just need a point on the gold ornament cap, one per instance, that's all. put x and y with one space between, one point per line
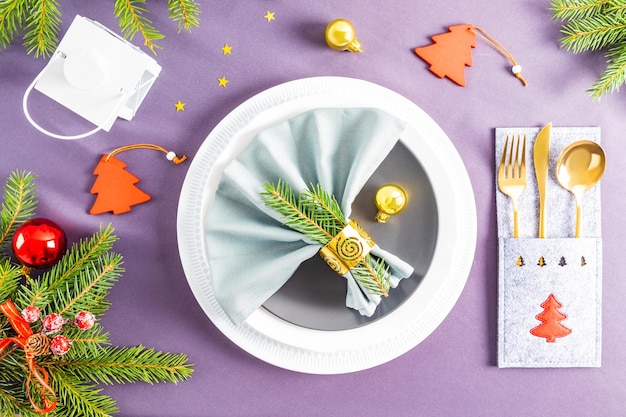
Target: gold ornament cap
390 200
340 35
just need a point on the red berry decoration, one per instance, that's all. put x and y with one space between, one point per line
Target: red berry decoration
53 322
84 320
31 314
39 243
60 345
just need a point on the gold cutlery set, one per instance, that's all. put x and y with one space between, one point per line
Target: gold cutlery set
578 168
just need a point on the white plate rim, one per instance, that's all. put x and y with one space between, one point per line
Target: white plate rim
289 346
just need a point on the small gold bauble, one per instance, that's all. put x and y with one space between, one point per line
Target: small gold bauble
340 35
390 199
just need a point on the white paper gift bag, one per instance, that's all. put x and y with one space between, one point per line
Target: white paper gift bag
96 74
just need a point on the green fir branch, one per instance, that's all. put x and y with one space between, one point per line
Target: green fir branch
10 277
42 28
132 20
328 212
577 9
80 398
79 261
86 343
18 206
614 76
593 33
317 215
593 25
127 364
296 215
379 270
12 16
90 288
185 13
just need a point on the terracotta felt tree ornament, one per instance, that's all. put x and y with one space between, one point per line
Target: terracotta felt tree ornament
115 187
451 52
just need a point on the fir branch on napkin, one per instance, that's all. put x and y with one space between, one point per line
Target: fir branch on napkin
317 215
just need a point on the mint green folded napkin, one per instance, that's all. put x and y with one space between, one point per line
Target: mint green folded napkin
251 254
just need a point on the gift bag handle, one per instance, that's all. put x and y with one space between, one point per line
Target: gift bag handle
113 115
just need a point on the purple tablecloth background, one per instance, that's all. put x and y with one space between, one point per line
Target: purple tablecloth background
451 373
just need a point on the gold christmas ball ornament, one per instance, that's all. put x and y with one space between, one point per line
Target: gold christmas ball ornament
340 35
390 200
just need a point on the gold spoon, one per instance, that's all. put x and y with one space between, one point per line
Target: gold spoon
579 167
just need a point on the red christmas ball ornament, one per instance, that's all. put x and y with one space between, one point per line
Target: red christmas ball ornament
39 243
60 345
53 322
84 320
31 314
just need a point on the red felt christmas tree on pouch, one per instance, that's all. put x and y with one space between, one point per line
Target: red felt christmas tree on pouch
116 187
550 327
452 51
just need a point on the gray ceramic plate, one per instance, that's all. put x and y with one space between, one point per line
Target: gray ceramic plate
314 297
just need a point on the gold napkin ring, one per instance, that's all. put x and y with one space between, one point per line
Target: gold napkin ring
347 249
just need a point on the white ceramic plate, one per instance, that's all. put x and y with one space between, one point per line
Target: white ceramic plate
302 349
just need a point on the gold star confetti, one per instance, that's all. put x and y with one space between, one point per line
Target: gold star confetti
269 16
226 49
180 106
222 81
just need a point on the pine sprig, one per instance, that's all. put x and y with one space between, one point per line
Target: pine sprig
185 13
127 364
12 15
18 205
42 28
81 280
593 33
132 20
577 9
10 277
79 261
614 76
40 21
296 214
78 398
317 215
591 25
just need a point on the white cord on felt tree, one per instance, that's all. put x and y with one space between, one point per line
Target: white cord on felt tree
57 54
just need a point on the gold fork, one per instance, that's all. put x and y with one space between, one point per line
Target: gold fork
512 173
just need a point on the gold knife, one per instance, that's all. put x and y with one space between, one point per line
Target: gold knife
541 158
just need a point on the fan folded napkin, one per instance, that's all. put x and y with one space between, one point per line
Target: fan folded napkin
251 254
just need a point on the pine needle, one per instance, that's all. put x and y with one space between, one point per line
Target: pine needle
132 20
185 13
592 25
127 364
19 204
42 28
80 398
12 17
317 215
614 76
577 9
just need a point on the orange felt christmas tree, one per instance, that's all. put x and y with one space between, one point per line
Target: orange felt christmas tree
115 187
450 53
550 318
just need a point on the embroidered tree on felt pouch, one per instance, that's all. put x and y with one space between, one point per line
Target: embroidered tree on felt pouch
550 327
115 187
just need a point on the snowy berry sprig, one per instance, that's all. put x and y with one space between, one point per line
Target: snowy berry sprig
53 323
